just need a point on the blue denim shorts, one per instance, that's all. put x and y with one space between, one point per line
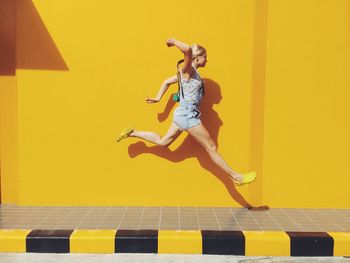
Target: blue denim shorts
186 117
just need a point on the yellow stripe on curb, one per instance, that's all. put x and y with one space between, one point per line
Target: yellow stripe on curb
266 243
92 241
179 241
13 240
341 243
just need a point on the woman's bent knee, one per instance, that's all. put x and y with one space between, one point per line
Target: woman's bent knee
164 143
211 148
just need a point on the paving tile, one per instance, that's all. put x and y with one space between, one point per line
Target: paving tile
51 222
243 216
172 227
224 216
248 221
115 212
149 212
189 228
206 218
27 226
169 223
148 228
187 209
262 217
269 225
169 214
150 218
231 229
189 223
205 211
207 221
164 222
271 228
175 217
113 216
283 222
92 217
206 214
150 222
8 226
209 228
64 228
251 228
130 214
188 216
78 214
170 209
229 225
108 221
107 227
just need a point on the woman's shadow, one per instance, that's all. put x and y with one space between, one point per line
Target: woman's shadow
190 148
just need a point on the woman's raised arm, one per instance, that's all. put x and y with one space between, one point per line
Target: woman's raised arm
184 48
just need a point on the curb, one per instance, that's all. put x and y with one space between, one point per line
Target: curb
244 243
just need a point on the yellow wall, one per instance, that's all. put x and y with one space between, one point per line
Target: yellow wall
104 60
8 105
275 100
8 140
307 143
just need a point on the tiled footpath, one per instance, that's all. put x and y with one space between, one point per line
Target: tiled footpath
180 230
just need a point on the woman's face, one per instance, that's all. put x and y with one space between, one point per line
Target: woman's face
202 60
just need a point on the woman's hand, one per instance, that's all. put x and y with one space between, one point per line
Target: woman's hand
152 100
170 42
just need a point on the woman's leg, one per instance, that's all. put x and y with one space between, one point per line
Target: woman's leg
173 132
201 134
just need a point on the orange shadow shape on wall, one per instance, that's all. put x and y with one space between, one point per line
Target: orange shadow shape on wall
7 37
35 47
190 148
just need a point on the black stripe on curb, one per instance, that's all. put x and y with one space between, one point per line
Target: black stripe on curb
223 242
48 241
213 242
136 241
310 244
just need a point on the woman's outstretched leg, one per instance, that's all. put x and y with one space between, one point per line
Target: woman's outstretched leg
147 136
155 138
201 134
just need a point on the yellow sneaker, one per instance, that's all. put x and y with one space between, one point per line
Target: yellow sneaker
125 133
247 179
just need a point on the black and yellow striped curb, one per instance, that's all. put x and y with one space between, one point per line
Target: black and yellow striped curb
248 243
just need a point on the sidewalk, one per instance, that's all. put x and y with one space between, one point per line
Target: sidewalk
193 230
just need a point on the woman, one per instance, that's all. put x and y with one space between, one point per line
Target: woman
186 115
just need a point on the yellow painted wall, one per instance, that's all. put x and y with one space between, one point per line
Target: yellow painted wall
8 140
277 88
8 105
103 60
307 142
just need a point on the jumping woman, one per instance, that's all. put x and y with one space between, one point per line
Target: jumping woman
186 115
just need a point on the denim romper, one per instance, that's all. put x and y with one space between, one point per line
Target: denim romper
187 114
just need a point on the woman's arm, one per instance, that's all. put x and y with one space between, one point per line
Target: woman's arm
165 85
184 48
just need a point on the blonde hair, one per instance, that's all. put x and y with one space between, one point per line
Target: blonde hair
197 50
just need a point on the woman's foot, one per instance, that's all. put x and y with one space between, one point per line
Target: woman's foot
125 133
244 179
